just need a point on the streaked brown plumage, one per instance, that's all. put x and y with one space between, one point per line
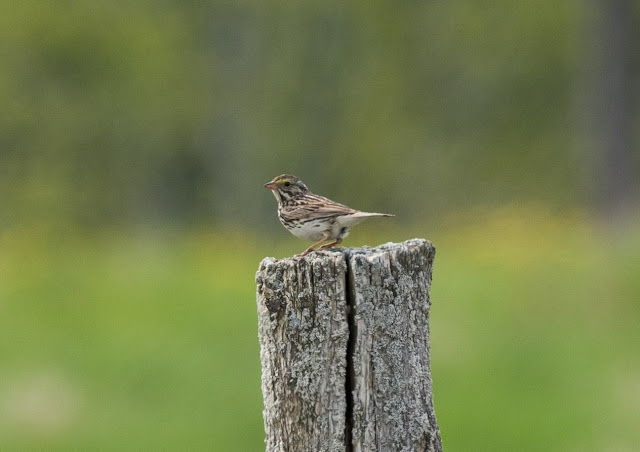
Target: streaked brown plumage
313 217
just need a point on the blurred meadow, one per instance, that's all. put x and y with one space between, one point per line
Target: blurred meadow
135 138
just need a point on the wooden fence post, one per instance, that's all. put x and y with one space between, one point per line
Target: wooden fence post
344 346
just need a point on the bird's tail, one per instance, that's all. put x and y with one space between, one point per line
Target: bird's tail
355 218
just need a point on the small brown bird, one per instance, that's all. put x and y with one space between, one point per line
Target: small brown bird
313 217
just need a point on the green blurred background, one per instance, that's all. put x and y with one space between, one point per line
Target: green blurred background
135 138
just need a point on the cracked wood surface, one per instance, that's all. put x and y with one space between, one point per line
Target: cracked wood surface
344 346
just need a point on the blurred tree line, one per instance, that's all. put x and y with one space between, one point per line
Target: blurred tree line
120 112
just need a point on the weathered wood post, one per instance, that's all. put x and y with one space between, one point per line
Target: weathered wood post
344 340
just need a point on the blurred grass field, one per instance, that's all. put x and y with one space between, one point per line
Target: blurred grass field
148 340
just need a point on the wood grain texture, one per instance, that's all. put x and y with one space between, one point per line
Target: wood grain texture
391 377
344 338
303 331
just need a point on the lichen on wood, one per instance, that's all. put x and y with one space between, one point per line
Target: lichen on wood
344 337
303 332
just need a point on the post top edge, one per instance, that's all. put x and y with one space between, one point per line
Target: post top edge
342 253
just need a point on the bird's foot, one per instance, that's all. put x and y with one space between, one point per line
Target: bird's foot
331 245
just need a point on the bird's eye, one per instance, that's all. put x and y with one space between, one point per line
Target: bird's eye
287 184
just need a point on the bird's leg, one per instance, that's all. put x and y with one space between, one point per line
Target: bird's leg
308 250
329 245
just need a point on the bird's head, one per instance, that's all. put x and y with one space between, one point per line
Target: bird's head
286 187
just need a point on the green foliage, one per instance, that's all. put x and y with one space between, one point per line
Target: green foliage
144 111
98 96
114 343
532 329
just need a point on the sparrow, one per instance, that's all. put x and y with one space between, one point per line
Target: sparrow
313 217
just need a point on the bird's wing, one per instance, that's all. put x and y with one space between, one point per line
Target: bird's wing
314 206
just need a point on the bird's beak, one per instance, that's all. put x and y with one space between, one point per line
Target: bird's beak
270 185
